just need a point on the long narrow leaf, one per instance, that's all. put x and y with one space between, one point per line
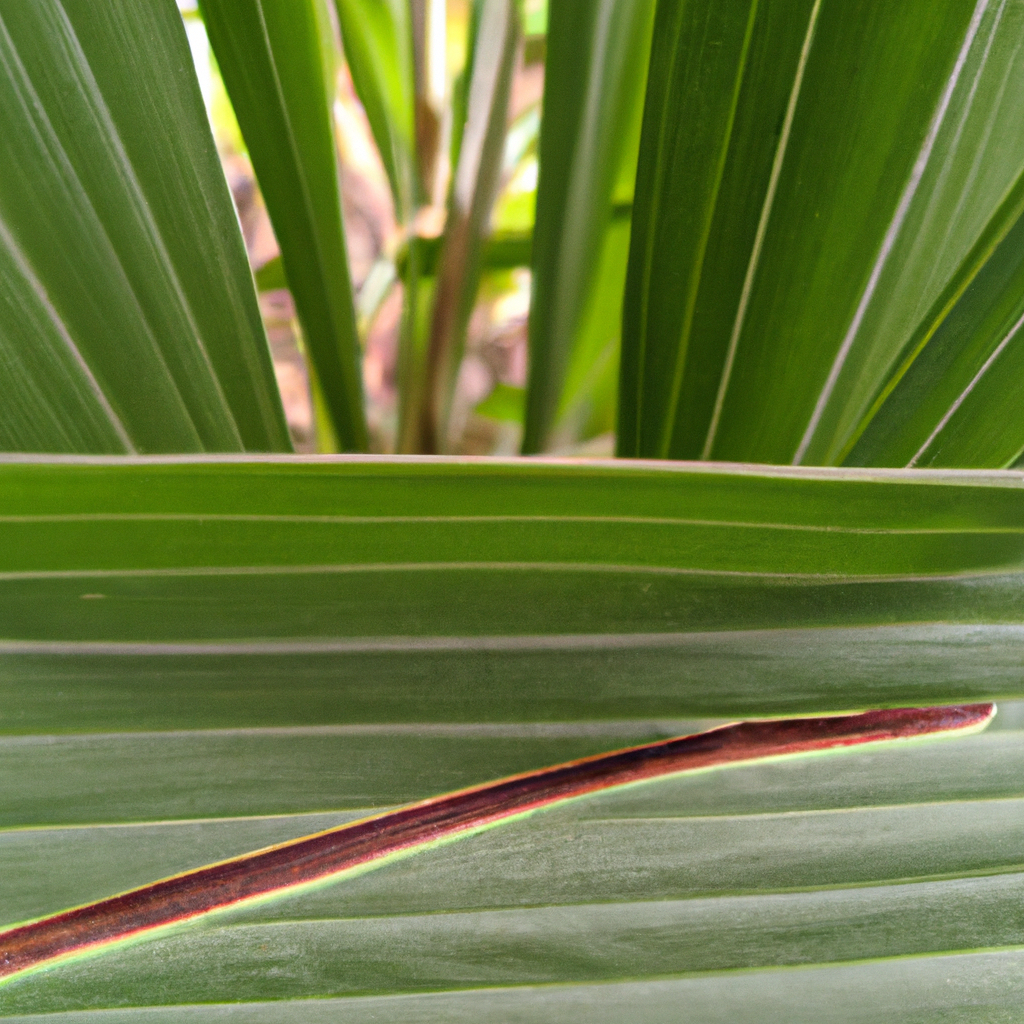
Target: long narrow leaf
592 88
275 59
952 402
473 192
716 79
965 192
128 319
313 588
379 50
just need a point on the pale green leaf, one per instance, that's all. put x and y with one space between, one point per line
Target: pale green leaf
593 91
270 276
379 50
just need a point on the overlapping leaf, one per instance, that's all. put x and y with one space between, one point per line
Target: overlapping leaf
128 320
465 603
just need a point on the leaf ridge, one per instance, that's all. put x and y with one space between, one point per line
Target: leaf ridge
892 232
48 140
762 228
961 398
977 163
23 264
705 236
141 208
657 192
307 200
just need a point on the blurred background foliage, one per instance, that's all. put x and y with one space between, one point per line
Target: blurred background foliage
488 404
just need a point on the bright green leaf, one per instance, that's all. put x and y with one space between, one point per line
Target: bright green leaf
504 403
270 276
965 192
954 401
378 47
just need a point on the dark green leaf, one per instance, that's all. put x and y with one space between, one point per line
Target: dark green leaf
773 313
313 590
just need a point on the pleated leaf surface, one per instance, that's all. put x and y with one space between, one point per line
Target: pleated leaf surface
825 261
201 658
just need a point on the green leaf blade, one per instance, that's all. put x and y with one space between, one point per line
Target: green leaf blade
963 197
874 188
951 402
664 890
583 144
203 657
379 51
691 50
274 59
314 586
112 233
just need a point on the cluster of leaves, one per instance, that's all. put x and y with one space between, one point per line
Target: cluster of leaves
810 217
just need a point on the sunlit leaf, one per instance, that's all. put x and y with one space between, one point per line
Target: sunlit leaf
378 47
